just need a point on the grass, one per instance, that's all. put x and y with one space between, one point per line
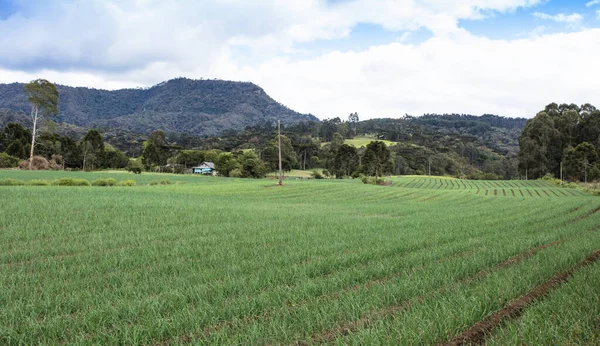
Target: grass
230 261
363 141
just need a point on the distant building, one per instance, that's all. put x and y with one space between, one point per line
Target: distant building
207 168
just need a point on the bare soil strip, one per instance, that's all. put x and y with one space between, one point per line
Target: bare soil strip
364 322
476 335
597 209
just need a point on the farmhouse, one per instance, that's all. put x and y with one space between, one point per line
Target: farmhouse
205 168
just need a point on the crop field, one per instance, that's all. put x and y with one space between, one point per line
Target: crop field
231 261
510 188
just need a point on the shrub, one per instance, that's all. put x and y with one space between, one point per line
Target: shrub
71 182
128 182
11 182
104 182
316 175
326 173
372 180
236 173
160 182
135 166
37 182
7 161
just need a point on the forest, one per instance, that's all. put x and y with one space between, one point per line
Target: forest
561 141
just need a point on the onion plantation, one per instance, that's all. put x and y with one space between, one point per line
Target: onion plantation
206 260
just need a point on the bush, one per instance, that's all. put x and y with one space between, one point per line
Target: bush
236 173
160 182
36 182
128 182
11 182
372 180
135 166
7 161
104 182
316 175
326 173
71 182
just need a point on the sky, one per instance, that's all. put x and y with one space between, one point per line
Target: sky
380 58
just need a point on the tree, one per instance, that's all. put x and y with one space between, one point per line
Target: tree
270 155
579 160
353 121
92 148
156 150
43 97
376 159
16 140
345 161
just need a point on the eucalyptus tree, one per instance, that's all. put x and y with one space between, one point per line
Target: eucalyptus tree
43 97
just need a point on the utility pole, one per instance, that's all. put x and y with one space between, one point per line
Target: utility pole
429 160
561 171
279 137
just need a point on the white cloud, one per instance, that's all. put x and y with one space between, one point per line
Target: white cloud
140 43
571 20
592 3
598 14
451 74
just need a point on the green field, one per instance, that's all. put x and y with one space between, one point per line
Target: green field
363 141
234 261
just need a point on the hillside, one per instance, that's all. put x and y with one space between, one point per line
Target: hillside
196 107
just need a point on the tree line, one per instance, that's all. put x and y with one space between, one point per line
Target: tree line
562 139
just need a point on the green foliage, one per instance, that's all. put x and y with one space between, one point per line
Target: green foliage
71 182
316 175
104 182
236 173
135 166
345 161
372 180
128 182
15 140
161 182
7 161
43 96
39 182
560 133
12 182
156 150
377 160
289 158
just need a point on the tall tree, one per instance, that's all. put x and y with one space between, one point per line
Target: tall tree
376 159
353 121
156 149
43 97
345 161
15 140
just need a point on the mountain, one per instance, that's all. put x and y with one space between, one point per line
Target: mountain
195 107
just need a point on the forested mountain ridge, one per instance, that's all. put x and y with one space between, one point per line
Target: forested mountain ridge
196 107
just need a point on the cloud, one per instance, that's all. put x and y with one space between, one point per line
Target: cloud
115 44
465 73
120 36
598 14
572 20
592 3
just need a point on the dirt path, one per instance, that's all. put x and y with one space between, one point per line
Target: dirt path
478 332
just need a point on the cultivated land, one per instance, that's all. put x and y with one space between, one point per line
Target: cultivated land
226 261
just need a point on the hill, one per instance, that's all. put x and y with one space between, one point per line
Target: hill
196 107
